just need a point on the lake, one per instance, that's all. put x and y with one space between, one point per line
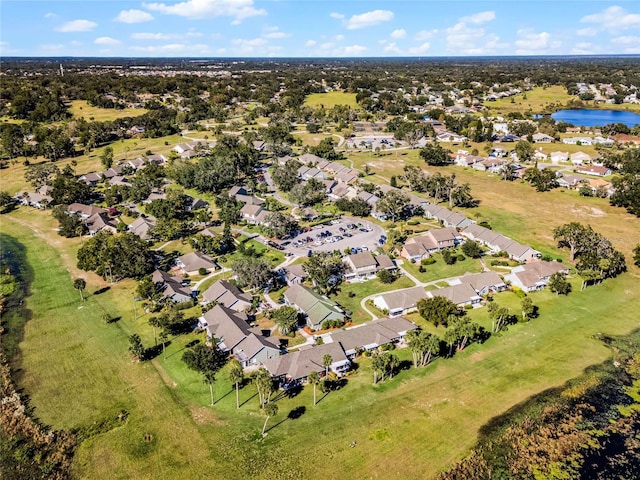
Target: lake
596 118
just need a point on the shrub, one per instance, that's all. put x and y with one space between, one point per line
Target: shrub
461 257
468 306
421 269
413 223
202 271
518 292
428 261
388 346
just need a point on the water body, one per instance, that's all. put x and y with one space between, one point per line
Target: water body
596 118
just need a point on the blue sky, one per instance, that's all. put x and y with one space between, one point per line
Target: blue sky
316 28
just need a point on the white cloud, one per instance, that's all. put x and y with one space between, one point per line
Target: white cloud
238 9
49 47
133 16
587 32
111 42
583 48
369 19
173 49
420 49
77 26
628 44
467 37
478 18
350 51
339 38
50 15
424 35
392 48
244 46
152 36
614 18
531 43
337 16
398 34
310 43
276 34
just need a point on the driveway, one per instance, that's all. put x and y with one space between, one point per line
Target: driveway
359 239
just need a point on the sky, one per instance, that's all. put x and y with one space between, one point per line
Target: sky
317 28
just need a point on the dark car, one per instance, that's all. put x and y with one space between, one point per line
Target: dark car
309 253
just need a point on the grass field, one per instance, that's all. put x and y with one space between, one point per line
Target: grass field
331 99
81 109
442 270
77 371
538 100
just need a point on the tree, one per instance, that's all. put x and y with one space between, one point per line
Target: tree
286 176
355 206
326 150
437 310
80 284
279 225
575 236
67 190
435 155
136 349
325 270
385 276
500 316
423 346
472 249
559 285
264 384
107 157
286 318
41 174
415 178
542 180
236 376
636 255
314 379
5 199
525 151
327 360
393 204
253 272
121 256
209 377
202 358
528 308
269 410
155 322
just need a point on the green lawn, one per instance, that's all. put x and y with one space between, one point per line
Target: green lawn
81 109
441 270
331 99
538 100
76 371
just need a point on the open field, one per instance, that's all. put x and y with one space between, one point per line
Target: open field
81 109
538 100
331 99
442 270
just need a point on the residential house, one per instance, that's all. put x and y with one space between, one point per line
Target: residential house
580 158
342 190
400 302
594 170
347 175
84 211
142 227
101 222
227 294
365 265
33 199
461 294
310 159
119 180
237 190
534 276
91 179
371 335
586 141
542 138
483 283
294 274
497 242
296 366
570 181
191 263
233 334
170 287
435 240
195 203
317 308
558 157
600 187
334 167
254 214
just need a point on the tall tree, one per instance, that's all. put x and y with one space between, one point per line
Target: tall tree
314 379
324 270
136 349
264 384
437 310
393 204
236 376
209 377
80 284
286 318
558 284
327 360
528 308
269 410
435 155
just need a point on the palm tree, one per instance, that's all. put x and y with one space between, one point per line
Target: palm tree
236 376
327 360
210 379
270 410
314 379
163 338
80 284
154 322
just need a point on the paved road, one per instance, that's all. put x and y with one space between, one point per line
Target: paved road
358 239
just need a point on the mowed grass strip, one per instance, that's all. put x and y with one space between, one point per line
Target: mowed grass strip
331 99
81 109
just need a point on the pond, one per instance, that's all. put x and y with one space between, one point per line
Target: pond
596 118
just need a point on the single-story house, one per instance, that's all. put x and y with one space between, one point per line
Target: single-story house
233 334
594 170
317 308
535 275
365 265
227 294
254 214
570 181
401 302
542 138
294 274
296 366
371 335
557 157
142 227
579 158
483 283
99 222
191 263
84 211
33 199
171 288
461 294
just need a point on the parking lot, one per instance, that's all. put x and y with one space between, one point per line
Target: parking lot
339 235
